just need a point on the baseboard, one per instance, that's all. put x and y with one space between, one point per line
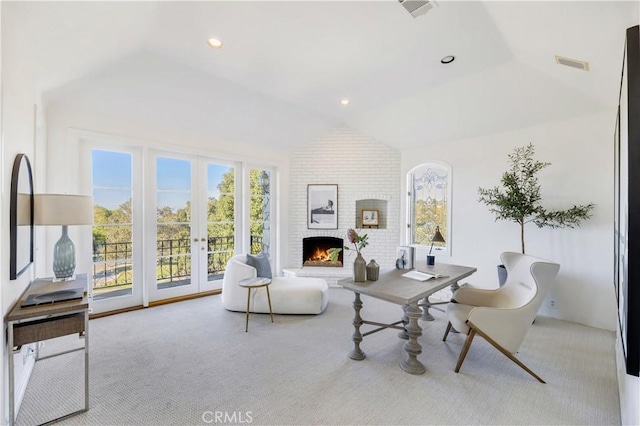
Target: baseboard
181 298
117 311
628 388
26 358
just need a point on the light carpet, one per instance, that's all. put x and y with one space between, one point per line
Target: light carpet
191 363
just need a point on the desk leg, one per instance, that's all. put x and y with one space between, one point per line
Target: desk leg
412 347
10 359
426 316
357 353
405 321
426 304
86 360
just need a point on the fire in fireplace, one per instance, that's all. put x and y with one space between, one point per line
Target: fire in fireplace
322 251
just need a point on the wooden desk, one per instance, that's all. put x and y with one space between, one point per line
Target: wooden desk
47 321
394 288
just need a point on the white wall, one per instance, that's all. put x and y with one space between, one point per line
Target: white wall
19 97
66 115
363 168
581 153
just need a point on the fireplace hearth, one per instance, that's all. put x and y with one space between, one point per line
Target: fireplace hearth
322 251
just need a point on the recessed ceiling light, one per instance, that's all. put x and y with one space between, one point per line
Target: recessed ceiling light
345 102
215 43
447 59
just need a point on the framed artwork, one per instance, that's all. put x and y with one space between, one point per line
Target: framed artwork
322 206
21 217
369 217
626 252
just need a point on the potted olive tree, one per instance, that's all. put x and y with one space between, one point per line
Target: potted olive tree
518 199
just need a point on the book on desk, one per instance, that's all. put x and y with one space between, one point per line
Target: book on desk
422 276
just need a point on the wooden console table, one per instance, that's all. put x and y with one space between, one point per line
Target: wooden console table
49 320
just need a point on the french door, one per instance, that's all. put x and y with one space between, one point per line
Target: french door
191 229
165 224
115 181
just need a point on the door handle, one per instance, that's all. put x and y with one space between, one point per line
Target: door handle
204 240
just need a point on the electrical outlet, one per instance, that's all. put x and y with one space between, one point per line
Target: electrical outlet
27 353
552 304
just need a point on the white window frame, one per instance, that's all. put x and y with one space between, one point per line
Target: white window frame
247 167
440 251
87 145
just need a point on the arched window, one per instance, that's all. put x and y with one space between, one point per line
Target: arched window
429 187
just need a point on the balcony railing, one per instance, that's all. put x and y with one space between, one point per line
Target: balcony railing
112 266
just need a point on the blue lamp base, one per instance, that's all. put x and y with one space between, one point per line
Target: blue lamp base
64 256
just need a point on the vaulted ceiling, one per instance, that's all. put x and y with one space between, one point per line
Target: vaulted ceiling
287 65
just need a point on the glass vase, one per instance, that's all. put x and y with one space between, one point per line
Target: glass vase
64 256
359 269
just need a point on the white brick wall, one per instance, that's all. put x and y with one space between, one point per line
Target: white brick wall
363 168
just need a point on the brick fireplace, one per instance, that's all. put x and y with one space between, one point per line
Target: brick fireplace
364 169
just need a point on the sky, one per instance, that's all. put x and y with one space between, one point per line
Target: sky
112 179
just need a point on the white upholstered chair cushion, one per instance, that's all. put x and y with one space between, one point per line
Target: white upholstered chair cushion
503 316
289 295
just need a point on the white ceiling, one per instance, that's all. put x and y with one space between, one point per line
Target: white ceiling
286 65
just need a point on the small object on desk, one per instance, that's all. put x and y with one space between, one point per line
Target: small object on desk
373 271
53 297
44 291
422 276
437 238
405 258
359 269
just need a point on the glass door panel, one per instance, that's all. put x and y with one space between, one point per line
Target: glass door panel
220 222
116 271
113 225
260 210
173 223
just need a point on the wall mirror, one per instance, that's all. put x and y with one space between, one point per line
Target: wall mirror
21 217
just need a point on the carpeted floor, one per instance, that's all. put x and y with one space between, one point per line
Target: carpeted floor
191 363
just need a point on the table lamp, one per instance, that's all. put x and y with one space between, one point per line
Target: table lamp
64 210
437 238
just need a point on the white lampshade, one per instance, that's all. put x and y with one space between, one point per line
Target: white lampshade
23 212
63 209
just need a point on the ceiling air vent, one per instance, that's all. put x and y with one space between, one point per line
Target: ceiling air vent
573 63
417 7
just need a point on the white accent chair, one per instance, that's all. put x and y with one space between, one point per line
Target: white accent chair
289 295
503 316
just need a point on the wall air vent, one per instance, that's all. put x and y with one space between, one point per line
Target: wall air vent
418 7
573 63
